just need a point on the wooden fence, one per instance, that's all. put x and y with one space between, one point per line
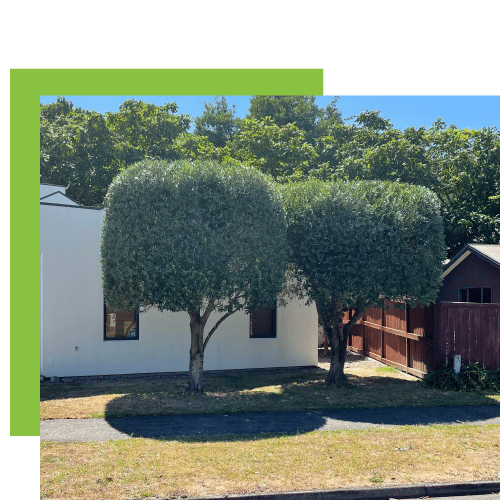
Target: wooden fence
398 337
471 330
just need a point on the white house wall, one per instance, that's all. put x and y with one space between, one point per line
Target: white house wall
73 316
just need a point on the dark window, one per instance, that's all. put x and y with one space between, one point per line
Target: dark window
263 323
475 295
120 325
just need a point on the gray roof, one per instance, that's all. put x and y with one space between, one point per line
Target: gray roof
490 253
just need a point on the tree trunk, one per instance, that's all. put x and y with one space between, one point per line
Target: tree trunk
338 343
325 342
331 316
195 377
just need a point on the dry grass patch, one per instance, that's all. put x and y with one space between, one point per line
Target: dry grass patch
139 468
370 387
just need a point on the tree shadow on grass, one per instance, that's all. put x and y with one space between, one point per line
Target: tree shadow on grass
216 414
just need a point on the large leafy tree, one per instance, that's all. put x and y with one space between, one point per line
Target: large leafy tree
218 122
146 130
466 165
286 109
280 151
355 245
193 237
288 137
77 150
461 166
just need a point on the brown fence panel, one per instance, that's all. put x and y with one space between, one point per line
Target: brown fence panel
472 331
421 320
491 343
420 354
374 315
395 348
396 337
356 337
373 341
395 318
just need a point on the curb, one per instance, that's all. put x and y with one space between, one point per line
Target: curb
418 490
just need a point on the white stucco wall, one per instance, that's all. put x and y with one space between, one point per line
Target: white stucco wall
73 316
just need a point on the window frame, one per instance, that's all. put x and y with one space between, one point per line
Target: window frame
136 318
467 290
274 319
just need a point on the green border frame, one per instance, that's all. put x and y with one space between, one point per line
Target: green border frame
26 87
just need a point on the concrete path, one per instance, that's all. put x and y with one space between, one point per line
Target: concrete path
289 422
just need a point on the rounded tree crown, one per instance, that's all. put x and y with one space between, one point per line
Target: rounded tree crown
365 241
177 234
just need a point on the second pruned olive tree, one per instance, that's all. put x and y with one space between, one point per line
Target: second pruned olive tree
194 237
357 244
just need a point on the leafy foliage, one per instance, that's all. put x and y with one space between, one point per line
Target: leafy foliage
280 151
218 122
355 245
363 241
466 164
77 150
285 110
176 235
288 137
146 130
471 378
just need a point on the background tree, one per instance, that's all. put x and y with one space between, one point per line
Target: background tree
280 151
461 166
146 130
466 165
194 237
355 245
77 150
218 122
197 147
289 137
284 110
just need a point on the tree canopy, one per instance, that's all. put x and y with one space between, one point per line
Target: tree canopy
288 137
218 122
355 245
194 237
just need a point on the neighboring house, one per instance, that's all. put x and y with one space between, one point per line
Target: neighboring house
464 320
80 336
472 275
467 318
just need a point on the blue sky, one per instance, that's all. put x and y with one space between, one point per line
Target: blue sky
403 111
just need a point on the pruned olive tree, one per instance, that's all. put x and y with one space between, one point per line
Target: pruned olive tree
194 237
355 245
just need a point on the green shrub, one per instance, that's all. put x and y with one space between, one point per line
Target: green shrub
472 378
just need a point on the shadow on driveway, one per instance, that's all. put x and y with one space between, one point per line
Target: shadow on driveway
298 422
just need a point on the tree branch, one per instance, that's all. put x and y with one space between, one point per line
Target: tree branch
358 312
208 310
211 332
